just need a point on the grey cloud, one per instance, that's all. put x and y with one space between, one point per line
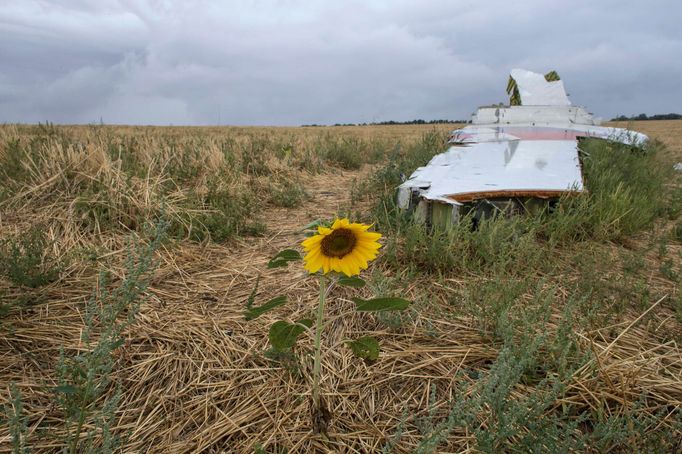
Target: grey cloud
290 62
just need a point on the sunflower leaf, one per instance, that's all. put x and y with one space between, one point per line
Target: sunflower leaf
307 322
380 304
283 335
283 258
311 229
255 312
355 282
365 347
313 225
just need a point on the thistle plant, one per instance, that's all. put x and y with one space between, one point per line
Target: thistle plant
336 252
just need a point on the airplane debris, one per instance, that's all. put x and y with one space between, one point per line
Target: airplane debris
511 157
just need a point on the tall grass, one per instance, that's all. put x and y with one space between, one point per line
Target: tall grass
212 184
626 192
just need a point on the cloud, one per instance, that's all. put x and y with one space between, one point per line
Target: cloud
291 62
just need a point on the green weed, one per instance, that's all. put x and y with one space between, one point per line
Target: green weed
27 259
677 231
13 415
219 214
85 377
346 153
287 193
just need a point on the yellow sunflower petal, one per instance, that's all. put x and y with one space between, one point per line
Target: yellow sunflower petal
310 242
340 223
341 267
312 264
371 236
354 267
357 261
368 248
312 267
326 266
361 248
359 228
313 256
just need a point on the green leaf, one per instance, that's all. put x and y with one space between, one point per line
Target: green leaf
365 347
254 312
283 258
351 281
313 225
117 344
308 323
65 389
380 304
252 297
283 335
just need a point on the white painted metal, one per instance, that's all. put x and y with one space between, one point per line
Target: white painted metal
535 165
536 91
532 115
556 131
531 148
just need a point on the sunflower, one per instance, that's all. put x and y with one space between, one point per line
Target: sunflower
345 247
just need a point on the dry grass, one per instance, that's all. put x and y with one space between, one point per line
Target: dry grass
193 372
667 131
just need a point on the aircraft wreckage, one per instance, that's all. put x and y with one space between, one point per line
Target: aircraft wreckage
510 158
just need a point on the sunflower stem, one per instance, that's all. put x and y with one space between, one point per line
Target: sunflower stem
318 344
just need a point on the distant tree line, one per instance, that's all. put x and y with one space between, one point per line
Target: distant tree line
392 122
669 116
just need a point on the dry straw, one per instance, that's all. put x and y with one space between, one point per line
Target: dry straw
193 373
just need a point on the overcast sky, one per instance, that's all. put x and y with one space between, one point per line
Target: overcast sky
266 62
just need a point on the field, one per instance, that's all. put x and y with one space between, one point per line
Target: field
129 255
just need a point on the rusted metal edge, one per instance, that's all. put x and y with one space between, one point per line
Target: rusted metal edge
541 194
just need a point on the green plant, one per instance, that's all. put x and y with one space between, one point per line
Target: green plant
27 259
336 253
287 193
346 153
16 420
13 166
677 231
667 269
219 214
502 421
397 435
627 191
85 377
677 306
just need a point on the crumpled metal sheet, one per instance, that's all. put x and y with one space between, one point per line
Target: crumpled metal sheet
519 166
536 91
515 151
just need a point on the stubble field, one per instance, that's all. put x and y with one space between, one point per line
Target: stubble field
129 254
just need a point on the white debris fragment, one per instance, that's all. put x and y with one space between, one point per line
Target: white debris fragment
536 91
497 169
526 151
